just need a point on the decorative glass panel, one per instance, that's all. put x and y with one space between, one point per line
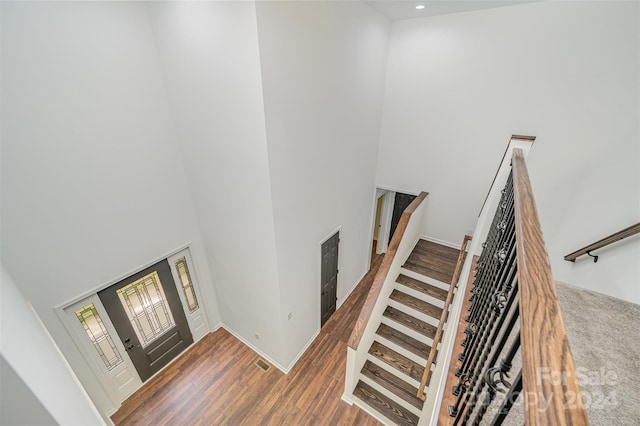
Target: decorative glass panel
147 308
99 335
187 285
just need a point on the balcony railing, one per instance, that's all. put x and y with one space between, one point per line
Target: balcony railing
515 344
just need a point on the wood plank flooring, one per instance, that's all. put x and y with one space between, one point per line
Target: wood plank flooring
216 382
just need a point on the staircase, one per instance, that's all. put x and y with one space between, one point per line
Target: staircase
388 382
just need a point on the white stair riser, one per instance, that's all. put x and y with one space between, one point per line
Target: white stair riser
419 295
424 279
409 332
372 412
402 351
416 314
393 371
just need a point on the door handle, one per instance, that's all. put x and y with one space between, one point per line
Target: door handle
127 340
130 347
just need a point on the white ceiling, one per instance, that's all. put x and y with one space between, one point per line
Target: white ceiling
405 9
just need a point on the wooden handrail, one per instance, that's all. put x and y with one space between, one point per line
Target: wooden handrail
443 319
544 344
620 235
381 276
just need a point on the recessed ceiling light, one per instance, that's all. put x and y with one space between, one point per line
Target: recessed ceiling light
420 7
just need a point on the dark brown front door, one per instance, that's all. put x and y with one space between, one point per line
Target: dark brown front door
146 311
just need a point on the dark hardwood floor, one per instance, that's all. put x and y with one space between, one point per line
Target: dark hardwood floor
217 383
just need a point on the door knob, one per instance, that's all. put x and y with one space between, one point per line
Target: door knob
130 347
127 340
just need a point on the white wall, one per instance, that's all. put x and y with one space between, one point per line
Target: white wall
44 390
18 405
93 185
209 53
567 72
323 66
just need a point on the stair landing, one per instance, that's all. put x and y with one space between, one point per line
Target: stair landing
433 260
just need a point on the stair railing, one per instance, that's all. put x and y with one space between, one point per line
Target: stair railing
443 319
620 235
513 319
404 239
380 277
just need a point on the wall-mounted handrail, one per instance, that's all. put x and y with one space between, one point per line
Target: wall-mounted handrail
443 319
378 281
620 235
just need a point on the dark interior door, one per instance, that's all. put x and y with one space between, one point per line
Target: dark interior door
146 311
329 278
401 202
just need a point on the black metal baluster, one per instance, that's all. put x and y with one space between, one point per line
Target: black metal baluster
472 378
493 294
509 400
505 275
490 379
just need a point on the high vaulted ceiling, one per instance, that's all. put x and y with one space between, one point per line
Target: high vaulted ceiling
406 9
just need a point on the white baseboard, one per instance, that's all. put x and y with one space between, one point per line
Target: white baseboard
441 242
302 351
110 413
347 398
346 296
253 348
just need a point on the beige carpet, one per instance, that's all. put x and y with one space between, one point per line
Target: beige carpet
604 335
605 342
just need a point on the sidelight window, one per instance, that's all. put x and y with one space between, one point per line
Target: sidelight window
100 338
187 284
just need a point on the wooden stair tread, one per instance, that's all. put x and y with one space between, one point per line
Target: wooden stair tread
419 267
433 260
397 361
417 304
411 322
392 383
422 287
407 342
384 405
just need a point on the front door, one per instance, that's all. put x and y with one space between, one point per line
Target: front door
146 312
329 278
401 202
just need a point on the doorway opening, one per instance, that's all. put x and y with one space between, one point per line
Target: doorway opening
376 228
388 208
